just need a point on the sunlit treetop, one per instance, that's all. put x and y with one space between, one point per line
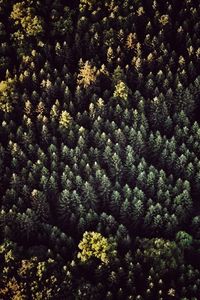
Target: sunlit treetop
94 244
24 16
121 91
87 74
7 97
65 119
87 3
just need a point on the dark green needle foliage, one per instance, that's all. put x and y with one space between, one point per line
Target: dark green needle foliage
99 150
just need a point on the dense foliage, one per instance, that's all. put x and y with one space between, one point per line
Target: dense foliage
100 149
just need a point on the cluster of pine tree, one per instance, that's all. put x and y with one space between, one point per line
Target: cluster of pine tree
100 149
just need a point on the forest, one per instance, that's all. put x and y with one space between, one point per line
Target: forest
99 150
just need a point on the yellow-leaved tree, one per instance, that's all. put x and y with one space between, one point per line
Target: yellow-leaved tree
94 244
24 17
87 74
65 119
121 91
7 94
87 3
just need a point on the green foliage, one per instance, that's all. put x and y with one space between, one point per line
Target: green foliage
164 255
184 239
62 24
103 141
94 244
